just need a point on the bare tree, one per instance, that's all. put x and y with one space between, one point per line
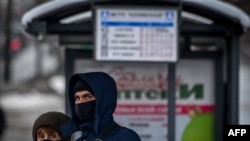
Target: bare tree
7 57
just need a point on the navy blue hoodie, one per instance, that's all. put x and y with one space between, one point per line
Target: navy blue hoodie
105 91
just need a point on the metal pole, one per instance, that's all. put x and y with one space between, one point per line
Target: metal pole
233 78
68 71
219 97
7 55
171 101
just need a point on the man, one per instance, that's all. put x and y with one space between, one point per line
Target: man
47 127
92 99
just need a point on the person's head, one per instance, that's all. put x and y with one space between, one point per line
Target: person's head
82 92
84 101
47 126
98 96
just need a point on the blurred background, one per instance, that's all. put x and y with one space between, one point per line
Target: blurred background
32 78
27 72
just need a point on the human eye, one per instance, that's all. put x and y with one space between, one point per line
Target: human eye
88 97
40 136
54 136
77 98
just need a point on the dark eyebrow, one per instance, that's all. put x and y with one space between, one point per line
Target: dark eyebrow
88 94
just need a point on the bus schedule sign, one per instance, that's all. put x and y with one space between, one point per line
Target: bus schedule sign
128 34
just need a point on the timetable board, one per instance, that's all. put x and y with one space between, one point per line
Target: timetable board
125 34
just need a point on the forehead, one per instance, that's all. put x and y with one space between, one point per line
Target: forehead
83 92
46 129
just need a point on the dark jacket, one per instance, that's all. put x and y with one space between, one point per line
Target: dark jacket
105 91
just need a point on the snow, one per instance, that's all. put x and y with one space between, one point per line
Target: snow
21 110
19 101
58 84
16 101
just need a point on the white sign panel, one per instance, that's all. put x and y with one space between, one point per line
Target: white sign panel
136 34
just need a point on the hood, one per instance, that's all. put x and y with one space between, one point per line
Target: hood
105 91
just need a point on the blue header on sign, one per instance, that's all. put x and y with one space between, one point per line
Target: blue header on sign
140 24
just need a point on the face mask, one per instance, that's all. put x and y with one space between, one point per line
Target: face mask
85 111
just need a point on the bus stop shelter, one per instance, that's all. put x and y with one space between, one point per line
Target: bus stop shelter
207 29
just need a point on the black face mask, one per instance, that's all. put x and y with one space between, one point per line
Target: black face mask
85 111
